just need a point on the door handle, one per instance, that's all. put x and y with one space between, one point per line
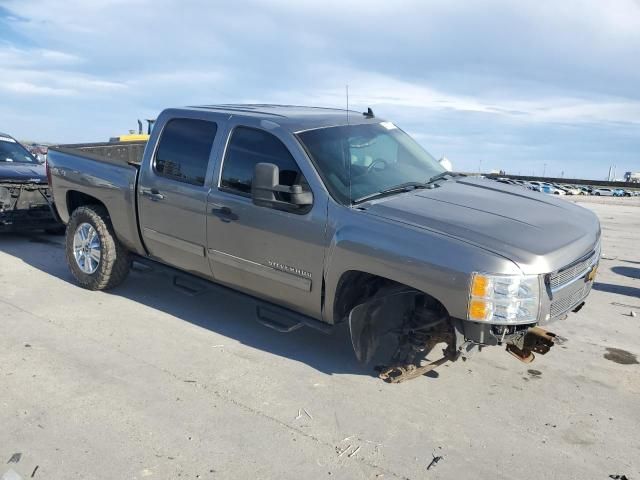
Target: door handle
153 194
225 213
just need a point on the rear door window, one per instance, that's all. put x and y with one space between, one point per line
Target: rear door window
184 149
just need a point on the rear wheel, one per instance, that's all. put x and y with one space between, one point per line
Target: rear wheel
96 258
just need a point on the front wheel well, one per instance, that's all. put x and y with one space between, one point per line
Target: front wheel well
356 287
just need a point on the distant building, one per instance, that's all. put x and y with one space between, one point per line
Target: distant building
632 177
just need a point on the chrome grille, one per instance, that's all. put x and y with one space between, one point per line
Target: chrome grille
573 271
563 305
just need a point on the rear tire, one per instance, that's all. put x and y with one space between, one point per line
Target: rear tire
113 261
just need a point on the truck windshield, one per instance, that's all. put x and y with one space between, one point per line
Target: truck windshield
356 161
12 152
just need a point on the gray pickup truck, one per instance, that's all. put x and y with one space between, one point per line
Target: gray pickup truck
324 216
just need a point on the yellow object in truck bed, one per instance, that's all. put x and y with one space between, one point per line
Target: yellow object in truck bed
133 137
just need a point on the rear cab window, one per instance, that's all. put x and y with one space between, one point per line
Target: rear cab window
184 149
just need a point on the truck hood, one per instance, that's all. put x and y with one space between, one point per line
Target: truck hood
22 173
540 233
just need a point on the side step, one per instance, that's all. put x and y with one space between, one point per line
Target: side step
268 314
184 285
280 321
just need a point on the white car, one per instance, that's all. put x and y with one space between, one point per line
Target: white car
550 189
571 190
602 192
534 185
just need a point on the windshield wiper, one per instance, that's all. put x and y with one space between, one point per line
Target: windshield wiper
403 187
442 175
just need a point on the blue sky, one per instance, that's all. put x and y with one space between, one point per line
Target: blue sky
490 84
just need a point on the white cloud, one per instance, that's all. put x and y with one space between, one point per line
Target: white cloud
12 57
55 82
473 77
28 88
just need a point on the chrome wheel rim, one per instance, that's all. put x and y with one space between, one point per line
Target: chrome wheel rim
87 248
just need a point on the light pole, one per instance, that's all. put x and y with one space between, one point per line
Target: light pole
544 170
480 167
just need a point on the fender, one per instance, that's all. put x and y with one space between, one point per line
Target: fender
430 262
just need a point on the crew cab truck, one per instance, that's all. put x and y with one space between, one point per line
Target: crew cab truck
323 216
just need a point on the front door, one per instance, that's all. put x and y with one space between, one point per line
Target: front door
172 194
273 254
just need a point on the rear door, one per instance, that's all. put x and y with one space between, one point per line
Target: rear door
273 254
172 193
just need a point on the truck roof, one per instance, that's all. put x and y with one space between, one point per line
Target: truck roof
295 118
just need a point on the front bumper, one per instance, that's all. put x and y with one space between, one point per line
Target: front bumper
26 207
564 291
33 219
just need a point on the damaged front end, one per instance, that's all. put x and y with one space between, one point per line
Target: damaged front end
26 206
413 321
416 325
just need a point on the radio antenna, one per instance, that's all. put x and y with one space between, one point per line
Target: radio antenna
347 90
349 152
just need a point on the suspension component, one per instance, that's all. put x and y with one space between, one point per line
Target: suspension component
535 339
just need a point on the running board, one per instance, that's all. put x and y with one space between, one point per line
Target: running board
280 321
268 314
184 285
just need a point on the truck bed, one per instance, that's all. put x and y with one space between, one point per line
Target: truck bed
110 152
106 172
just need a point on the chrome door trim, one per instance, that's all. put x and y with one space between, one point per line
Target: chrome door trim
192 248
265 271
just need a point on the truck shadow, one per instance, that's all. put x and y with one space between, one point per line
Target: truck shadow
631 272
220 312
619 289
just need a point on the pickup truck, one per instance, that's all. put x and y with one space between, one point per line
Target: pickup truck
323 216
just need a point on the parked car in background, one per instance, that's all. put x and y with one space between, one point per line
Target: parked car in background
535 185
507 181
585 190
552 190
603 192
24 192
571 190
321 219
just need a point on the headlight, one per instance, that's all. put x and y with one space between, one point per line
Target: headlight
504 299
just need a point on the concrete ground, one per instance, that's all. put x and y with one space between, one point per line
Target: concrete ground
145 382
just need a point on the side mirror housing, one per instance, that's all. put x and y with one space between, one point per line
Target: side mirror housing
266 190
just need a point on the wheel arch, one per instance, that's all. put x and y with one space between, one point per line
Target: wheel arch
357 286
125 226
76 199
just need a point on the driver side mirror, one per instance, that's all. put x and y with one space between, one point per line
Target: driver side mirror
266 190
